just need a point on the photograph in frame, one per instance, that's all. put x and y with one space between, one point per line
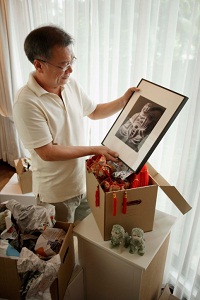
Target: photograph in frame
143 122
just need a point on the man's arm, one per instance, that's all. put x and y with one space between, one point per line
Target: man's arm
51 152
108 109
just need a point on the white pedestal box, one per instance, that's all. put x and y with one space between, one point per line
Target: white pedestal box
111 275
12 190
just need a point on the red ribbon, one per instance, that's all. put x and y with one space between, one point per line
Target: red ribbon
97 197
114 204
124 207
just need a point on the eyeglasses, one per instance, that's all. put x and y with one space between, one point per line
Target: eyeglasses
64 69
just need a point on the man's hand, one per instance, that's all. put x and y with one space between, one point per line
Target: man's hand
129 93
108 153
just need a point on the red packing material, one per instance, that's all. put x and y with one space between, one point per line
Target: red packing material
144 176
140 179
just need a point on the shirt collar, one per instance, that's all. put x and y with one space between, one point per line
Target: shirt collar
34 86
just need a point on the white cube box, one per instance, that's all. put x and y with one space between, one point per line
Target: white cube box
110 274
12 190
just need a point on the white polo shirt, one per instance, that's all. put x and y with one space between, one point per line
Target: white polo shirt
42 117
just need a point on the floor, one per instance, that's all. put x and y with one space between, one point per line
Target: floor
6 172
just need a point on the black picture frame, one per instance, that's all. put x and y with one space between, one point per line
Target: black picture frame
143 122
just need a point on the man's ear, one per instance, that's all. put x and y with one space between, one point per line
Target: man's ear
38 65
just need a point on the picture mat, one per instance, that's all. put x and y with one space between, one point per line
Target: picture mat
172 101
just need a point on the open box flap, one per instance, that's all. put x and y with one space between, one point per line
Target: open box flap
169 190
19 166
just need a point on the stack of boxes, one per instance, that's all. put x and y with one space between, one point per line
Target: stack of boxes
122 275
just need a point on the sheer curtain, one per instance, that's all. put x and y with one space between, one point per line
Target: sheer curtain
118 42
10 146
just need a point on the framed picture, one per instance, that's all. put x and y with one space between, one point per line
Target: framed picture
143 122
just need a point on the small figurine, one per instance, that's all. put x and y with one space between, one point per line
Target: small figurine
137 241
117 236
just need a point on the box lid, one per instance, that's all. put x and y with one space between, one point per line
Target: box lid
169 190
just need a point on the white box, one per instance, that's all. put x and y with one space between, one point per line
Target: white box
12 190
110 275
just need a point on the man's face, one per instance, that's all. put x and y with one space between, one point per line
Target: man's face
54 73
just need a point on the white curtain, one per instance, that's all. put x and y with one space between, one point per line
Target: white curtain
10 146
118 42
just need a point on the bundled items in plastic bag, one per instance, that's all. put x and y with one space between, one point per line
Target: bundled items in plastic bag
3 215
32 217
116 176
24 224
7 229
49 242
36 275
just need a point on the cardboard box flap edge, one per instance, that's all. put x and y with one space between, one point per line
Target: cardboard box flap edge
169 190
19 166
166 294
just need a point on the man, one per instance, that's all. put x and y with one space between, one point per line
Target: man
48 113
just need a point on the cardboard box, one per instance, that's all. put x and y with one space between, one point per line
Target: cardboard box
10 281
166 294
140 206
24 176
75 288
